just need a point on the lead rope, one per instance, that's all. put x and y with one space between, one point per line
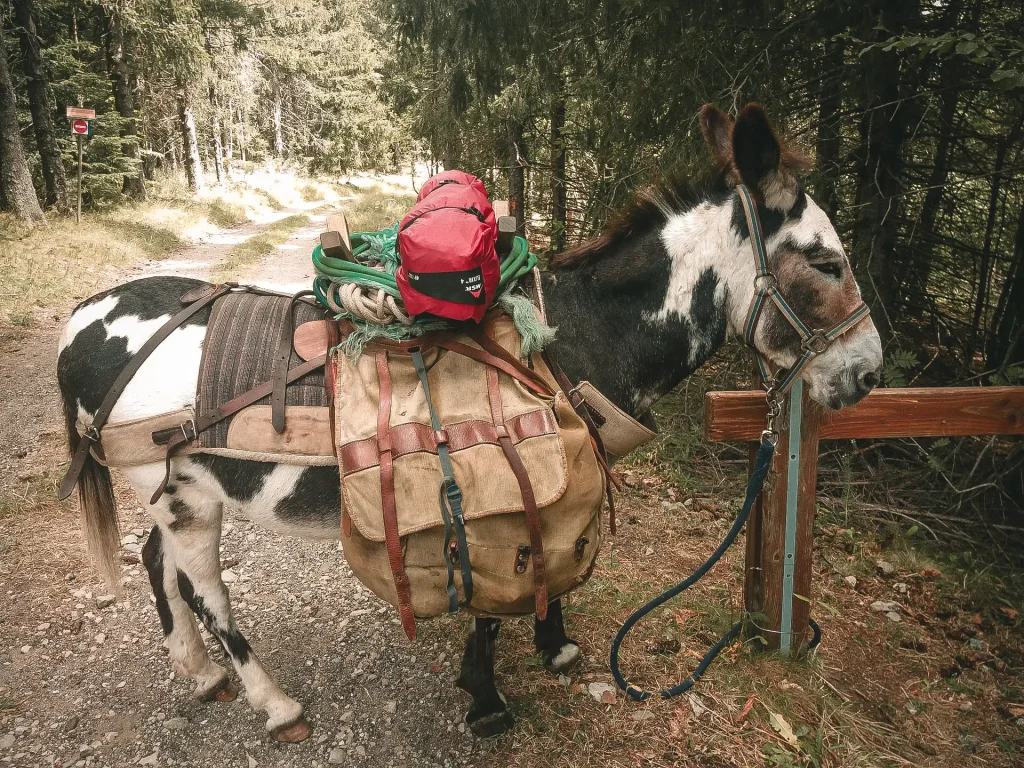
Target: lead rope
762 464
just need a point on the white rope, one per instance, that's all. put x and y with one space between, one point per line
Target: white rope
374 305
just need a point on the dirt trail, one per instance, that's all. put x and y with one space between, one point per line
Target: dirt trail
84 685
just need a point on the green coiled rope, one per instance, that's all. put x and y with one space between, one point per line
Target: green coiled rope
381 249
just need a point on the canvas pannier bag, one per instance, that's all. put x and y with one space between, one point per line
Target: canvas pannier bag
481 491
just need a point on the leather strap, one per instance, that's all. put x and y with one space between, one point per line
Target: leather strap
513 368
413 437
92 434
492 347
580 406
540 584
175 437
284 356
387 496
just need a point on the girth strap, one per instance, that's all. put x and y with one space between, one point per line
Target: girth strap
92 434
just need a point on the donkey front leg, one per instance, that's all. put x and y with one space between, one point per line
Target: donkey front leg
559 652
488 714
190 529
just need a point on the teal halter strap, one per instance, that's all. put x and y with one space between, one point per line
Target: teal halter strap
766 288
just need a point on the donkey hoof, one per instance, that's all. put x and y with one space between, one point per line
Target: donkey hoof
568 656
226 692
490 725
293 733
219 690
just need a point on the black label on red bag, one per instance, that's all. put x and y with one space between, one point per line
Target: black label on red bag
462 287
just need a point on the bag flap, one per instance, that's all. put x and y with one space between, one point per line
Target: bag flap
458 390
620 432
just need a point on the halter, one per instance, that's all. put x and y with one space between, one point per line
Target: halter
766 286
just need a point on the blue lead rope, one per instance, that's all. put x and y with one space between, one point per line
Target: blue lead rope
757 477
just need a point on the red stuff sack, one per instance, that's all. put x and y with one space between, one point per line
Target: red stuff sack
445 178
446 242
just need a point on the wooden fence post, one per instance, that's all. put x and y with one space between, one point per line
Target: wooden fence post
777 583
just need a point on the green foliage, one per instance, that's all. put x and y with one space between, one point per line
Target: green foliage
898 364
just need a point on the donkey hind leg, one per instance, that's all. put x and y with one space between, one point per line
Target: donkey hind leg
488 714
560 653
181 635
192 534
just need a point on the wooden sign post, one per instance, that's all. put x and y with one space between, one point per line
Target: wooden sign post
777 574
80 127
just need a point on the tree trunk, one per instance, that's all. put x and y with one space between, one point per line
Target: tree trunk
16 191
241 132
229 130
517 176
218 144
40 100
830 106
134 185
985 266
558 195
278 133
1006 345
190 141
880 161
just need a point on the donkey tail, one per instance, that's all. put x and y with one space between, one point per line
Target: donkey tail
96 501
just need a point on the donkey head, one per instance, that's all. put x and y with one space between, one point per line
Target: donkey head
804 253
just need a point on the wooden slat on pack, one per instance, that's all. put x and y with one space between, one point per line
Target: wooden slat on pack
506 235
907 412
336 242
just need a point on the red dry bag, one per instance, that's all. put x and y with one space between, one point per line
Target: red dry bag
446 242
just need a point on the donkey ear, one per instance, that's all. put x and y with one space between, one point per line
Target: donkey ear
763 162
717 129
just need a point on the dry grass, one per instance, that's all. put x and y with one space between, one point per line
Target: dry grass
374 208
56 266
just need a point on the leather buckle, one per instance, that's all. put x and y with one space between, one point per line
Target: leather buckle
501 430
92 434
816 343
191 424
522 558
440 437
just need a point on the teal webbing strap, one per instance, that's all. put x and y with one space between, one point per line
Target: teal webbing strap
796 396
450 499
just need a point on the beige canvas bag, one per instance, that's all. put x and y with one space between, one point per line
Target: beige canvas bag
531 483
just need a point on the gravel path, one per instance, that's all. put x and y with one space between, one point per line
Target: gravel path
85 681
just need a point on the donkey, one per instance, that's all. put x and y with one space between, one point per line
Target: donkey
638 309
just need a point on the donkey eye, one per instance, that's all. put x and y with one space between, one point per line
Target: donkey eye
829 268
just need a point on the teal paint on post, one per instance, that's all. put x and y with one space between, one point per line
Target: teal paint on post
796 398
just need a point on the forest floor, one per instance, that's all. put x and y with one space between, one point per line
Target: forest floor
939 682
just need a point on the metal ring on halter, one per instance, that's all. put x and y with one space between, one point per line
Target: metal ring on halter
816 343
771 280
